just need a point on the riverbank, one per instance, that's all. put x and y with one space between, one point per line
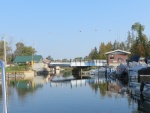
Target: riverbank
20 75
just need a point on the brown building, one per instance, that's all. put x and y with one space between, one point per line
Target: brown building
114 58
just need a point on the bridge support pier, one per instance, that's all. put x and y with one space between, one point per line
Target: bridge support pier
55 67
78 72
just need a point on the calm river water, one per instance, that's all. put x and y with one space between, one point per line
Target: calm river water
63 95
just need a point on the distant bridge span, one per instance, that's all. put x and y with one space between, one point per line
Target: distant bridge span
81 63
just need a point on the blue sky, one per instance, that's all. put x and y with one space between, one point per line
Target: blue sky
70 28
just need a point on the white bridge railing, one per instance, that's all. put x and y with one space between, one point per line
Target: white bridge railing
4 94
80 63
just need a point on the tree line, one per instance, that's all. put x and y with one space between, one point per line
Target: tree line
137 43
20 50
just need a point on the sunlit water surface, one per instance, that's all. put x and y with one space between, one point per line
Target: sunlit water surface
87 96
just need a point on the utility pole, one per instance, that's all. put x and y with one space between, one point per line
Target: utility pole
5 52
5 62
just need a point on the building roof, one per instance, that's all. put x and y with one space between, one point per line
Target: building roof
24 59
118 51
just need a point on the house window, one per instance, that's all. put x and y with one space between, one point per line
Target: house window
111 56
120 59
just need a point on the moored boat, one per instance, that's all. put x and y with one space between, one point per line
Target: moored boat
146 91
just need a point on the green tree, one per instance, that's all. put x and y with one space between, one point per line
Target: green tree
78 58
49 58
8 49
103 49
129 41
122 46
141 43
2 50
109 46
10 54
28 51
137 27
116 45
148 49
19 49
93 54
22 50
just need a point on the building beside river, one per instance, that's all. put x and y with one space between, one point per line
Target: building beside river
114 58
28 59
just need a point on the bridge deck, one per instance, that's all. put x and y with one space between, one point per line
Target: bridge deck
80 63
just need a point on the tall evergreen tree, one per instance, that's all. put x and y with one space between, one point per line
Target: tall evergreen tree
109 47
102 50
115 45
148 49
140 44
122 46
128 41
93 54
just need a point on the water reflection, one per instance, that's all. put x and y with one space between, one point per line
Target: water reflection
106 88
103 85
24 87
0 92
109 87
62 89
142 102
57 73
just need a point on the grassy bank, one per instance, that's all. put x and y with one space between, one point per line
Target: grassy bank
18 68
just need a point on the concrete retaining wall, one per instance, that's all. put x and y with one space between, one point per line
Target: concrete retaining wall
20 75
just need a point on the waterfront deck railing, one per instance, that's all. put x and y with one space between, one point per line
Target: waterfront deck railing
4 90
